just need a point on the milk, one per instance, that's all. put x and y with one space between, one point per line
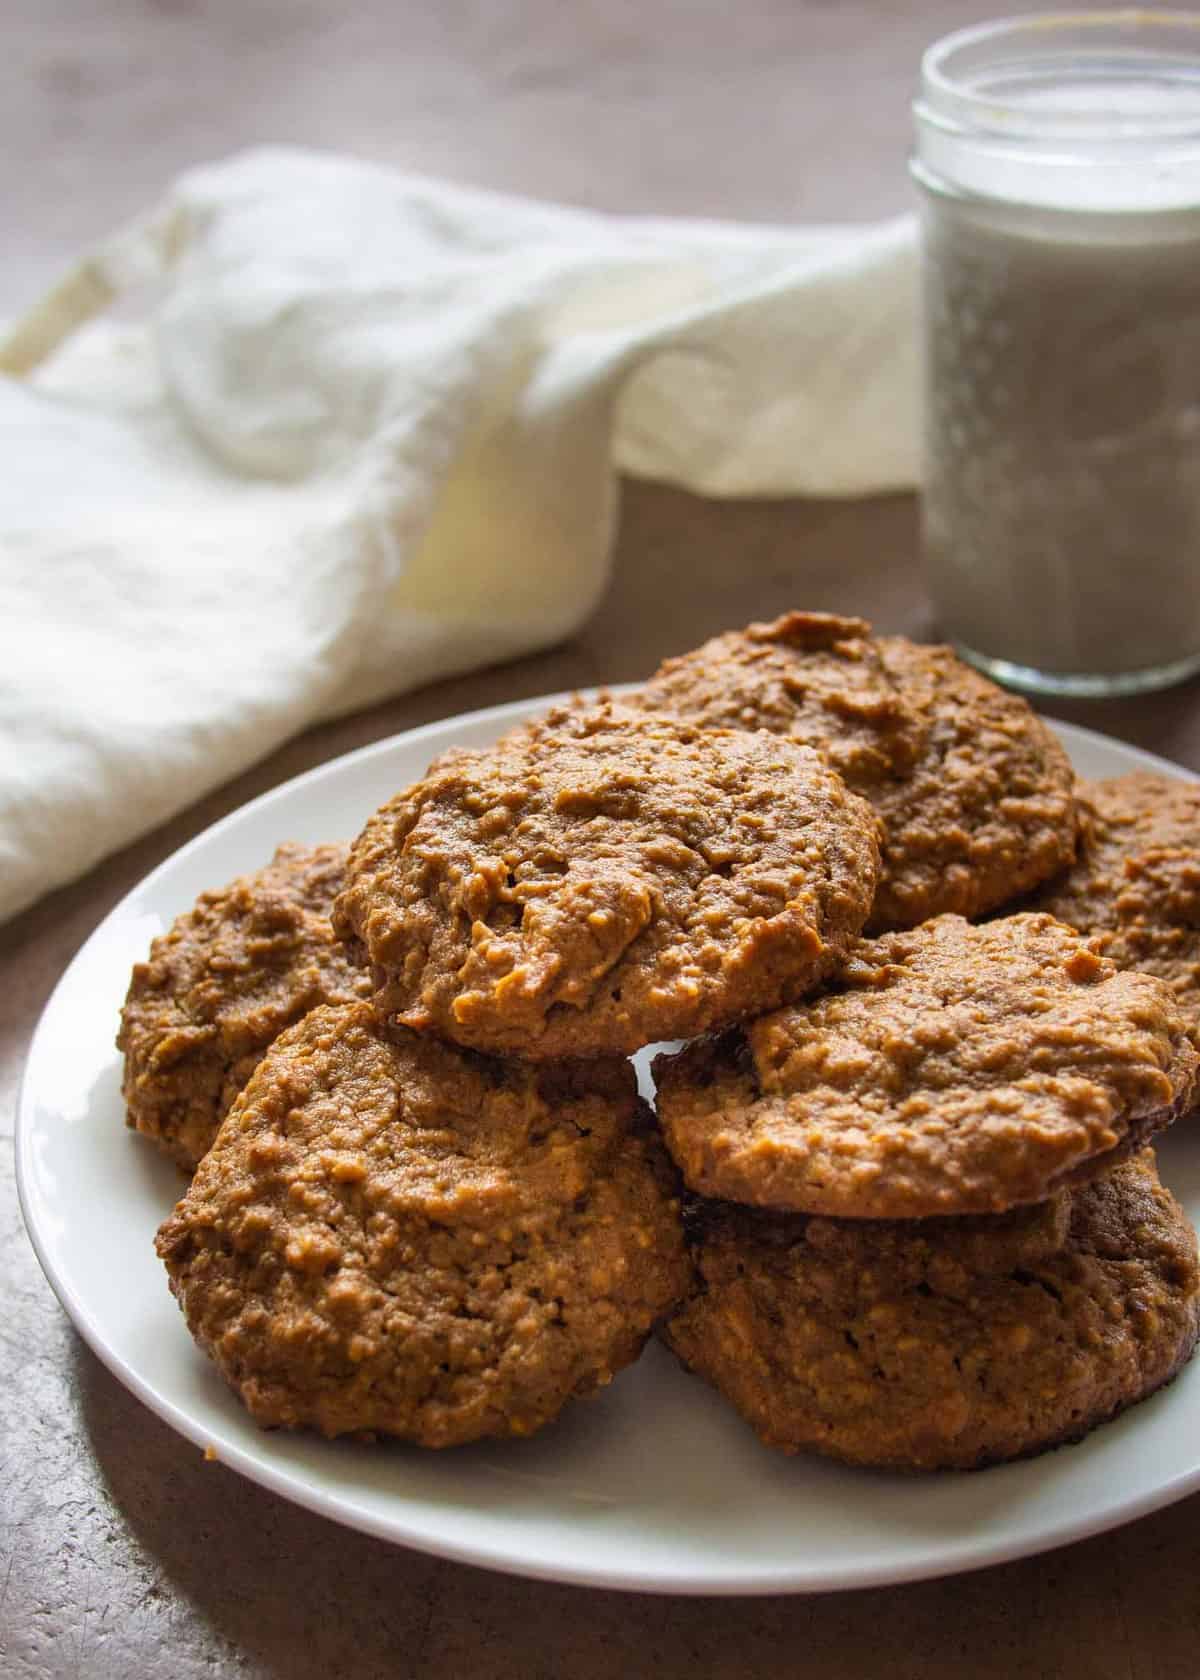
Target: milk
1061 501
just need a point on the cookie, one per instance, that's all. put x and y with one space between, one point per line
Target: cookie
951 1069
603 881
1136 881
221 985
946 1343
974 790
391 1236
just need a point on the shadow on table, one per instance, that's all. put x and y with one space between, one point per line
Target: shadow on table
216 1571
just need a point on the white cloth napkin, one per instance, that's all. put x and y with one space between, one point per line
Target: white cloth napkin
364 432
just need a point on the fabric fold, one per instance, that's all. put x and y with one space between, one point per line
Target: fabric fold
363 431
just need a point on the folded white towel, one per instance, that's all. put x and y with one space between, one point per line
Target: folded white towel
366 434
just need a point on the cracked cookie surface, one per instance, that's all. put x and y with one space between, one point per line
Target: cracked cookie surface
220 985
944 1343
1136 881
974 790
950 1069
598 882
392 1236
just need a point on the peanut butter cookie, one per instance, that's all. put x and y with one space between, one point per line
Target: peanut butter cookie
943 1343
220 985
974 790
950 1069
392 1236
1136 882
604 881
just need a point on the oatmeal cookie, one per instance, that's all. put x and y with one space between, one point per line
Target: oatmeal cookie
392 1236
974 790
944 1343
1136 882
949 1069
220 985
604 881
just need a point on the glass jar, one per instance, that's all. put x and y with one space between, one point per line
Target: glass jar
1059 161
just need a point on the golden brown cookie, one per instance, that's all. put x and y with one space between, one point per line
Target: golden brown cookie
944 1343
220 985
393 1236
603 881
974 790
1136 882
950 1069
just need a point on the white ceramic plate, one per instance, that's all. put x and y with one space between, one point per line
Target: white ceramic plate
657 1485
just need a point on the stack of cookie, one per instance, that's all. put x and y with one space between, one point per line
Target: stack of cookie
925 1230
438 1208
442 1211
941 1243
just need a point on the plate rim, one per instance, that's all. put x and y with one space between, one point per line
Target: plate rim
293 1485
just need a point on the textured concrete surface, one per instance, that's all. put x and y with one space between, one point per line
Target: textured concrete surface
770 109
122 1554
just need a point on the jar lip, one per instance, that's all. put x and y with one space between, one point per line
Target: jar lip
969 79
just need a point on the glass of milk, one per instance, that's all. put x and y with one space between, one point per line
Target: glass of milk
1059 162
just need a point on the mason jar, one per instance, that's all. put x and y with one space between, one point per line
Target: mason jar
1059 164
